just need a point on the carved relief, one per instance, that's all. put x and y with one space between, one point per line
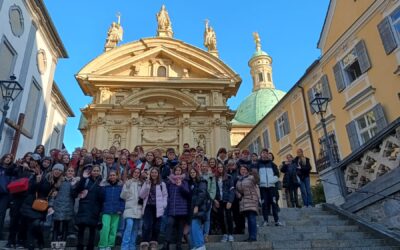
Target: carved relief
41 61
117 141
16 20
134 121
105 95
165 136
160 121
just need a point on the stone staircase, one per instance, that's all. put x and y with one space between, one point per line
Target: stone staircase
306 228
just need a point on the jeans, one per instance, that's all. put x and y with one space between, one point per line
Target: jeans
196 233
4 201
225 218
179 221
268 197
252 224
130 234
238 218
206 229
151 224
108 232
306 191
34 231
63 225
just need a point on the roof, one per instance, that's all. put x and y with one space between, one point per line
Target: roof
257 105
259 53
64 104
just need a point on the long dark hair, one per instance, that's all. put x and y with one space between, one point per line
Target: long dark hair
36 149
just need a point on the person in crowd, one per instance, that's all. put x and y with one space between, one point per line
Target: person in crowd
122 167
238 217
193 153
113 207
222 156
63 203
185 168
148 161
170 163
197 162
155 196
290 181
140 152
6 170
303 171
246 190
269 175
66 161
39 150
186 146
199 206
208 176
98 157
254 159
212 162
46 165
107 166
133 209
90 205
134 159
278 184
177 211
40 187
243 158
224 198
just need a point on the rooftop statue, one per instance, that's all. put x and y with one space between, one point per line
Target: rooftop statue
164 28
114 34
210 39
257 40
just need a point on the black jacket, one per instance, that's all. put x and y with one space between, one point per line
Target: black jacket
200 198
304 170
90 206
228 190
290 175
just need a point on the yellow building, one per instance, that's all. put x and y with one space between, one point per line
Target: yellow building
358 71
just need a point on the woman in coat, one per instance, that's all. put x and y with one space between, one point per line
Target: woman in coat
246 191
225 195
90 203
199 206
177 212
155 196
290 181
133 210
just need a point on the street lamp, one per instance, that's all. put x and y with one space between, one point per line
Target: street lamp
10 90
319 104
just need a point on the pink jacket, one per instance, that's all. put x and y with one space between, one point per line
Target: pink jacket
161 197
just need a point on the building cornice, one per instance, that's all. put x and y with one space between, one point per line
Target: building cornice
56 93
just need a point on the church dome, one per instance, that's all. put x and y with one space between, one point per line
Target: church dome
259 53
257 105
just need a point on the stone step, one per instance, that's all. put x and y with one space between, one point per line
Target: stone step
296 244
308 228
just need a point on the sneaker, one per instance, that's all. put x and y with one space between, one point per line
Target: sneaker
224 238
278 224
19 246
230 238
264 224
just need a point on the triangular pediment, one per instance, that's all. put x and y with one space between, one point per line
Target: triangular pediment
145 64
339 18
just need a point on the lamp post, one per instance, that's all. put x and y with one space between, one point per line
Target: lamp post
319 104
10 89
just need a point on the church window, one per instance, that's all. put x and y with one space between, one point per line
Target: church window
32 107
162 71
260 77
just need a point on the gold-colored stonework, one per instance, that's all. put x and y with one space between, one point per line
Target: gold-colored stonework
159 93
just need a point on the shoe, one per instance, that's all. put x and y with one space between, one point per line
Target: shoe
278 224
19 246
250 240
201 248
264 224
224 238
230 238
153 245
144 246
9 246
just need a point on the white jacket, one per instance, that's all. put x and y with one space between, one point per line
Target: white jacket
130 193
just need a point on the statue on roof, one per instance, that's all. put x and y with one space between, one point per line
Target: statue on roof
114 34
257 40
210 39
164 28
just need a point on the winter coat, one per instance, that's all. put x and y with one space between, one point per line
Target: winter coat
5 177
200 199
41 190
89 206
105 170
63 203
228 189
178 196
161 197
112 201
304 170
268 172
247 193
167 167
211 184
290 179
130 193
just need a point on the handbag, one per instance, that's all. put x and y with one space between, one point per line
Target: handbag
18 186
40 205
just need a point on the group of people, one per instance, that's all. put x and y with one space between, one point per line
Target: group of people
141 195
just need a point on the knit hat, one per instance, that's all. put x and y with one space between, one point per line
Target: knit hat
36 157
58 166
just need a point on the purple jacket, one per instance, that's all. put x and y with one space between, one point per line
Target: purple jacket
161 197
178 196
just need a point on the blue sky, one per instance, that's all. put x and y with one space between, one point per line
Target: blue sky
289 32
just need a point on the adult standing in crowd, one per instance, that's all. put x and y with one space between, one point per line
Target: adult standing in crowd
303 171
290 181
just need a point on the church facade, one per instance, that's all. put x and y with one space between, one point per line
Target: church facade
157 92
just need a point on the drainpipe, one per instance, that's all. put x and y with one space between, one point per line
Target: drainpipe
308 124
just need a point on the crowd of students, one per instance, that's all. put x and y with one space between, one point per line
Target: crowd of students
139 196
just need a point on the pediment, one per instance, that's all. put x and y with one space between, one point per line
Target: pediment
146 63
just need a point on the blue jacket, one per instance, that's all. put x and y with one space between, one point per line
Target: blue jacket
113 203
178 198
228 190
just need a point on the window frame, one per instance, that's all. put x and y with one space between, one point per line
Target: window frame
281 126
34 84
371 129
393 23
347 80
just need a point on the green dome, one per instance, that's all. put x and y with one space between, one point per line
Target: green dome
257 105
259 53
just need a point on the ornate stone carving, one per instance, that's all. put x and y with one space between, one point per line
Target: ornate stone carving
217 122
41 61
105 95
210 39
164 27
186 122
100 121
134 121
201 141
117 141
114 35
16 20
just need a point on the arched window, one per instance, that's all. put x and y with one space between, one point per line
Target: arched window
162 71
260 77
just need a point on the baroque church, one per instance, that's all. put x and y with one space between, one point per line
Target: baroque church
161 92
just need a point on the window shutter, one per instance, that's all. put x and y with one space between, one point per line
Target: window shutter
310 94
362 56
266 139
380 118
337 70
286 124
353 135
387 36
276 130
326 91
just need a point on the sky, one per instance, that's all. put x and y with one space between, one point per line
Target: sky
289 32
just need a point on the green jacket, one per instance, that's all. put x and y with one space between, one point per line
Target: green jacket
211 184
